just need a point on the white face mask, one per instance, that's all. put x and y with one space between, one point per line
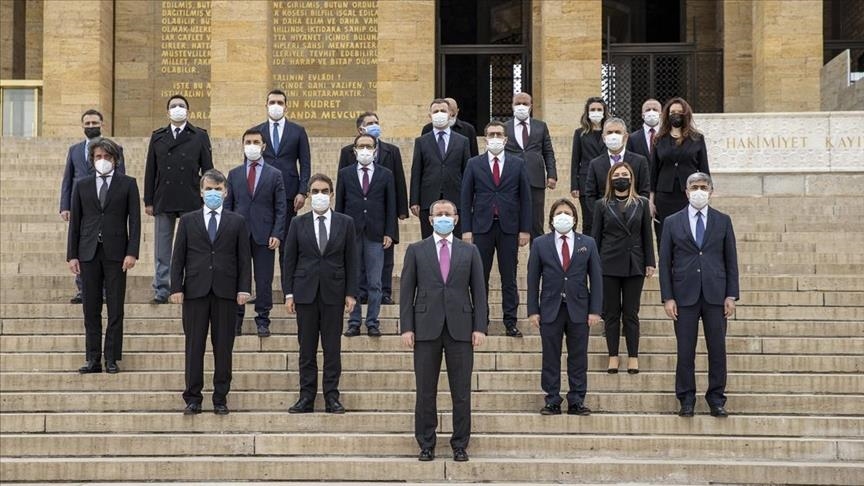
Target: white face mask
495 145
177 114
320 202
614 141
103 166
521 112
252 152
595 116
364 155
440 119
562 223
276 112
651 118
699 198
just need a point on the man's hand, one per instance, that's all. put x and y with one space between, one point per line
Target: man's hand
593 319
350 302
148 210
477 339
408 339
551 183
74 266
671 308
273 243
415 210
728 307
129 262
388 242
299 202
534 319
524 238
289 305
176 298
243 297
652 207
64 215
468 237
574 194
649 271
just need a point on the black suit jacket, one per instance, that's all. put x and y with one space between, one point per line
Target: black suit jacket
480 196
78 165
625 241
585 149
374 213
224 266
432 177
538 155
172 176
119 222
389 156
266 211
463 128
308 274
598 169
292 157
671 164
636 143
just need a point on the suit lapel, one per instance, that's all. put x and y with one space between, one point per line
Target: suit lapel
554 249
685 226
431 250
183 137
115 179
613 210
709 228
306 226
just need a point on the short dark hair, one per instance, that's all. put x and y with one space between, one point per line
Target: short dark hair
320 177
363 116
438 101
277 92
91 111
358 137
565 202
494 123
177 97
213 176
106 144
252 131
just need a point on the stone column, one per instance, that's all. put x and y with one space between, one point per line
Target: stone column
77 63
737 56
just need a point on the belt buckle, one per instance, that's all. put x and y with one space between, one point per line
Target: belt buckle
563 295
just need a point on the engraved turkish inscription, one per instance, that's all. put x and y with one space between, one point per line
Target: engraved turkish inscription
184 56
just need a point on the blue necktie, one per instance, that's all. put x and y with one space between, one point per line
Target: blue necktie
442 147
275 138
211 226
700 229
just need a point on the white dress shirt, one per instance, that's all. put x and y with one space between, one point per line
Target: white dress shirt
517 129
207 217
612 162
691 211
438 239
328 216
446 137
360 168
500 158
559 243
174 131
100 181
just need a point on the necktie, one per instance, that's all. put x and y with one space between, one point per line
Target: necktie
275 138
87 150
444 260
250 179
651 141
211 226
322 234
365 180
524 135
565 253
442 147
616 158
700 229
103 191
176 132
496 178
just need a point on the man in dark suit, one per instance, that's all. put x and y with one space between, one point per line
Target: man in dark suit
256 191
528 138
320 281
442 303
176 157
78 165
699 279
439 160
367 193
211 274
615 138
642 141
496 204
389 156
459 126
103 242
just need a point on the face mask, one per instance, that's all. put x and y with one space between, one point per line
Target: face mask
320 202
373 130
213 198
495 145
103 166
621 184
676 120
440 119
364 155
443 225
651 118
451 121
595 116
252 152
614 141
699 198
275 111
562 223
92 132
177 114
521 112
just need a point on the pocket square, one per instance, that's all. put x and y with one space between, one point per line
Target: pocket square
582 249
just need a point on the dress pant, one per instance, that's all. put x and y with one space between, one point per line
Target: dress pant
98 275
686 333
507 247
459 356
538 210
218 315
622 295
372 258
587 214
426 226
314 320
163 245
551 336
386 276
667 204
262 267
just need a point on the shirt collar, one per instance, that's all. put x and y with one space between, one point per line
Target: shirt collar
621 154
361 166
108 175
438 239
445 130
260 162
207 211
691 211
181 127
326 215
570 235
492 156
517 122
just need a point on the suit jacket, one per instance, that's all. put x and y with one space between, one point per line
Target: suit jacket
480 196
538 155
426 301
585 149
636 143
625 241
374 213
172 176
544 264
687 271
199 266
598 169
292 157
266 211
432 177
463 128
671 164
78 165
310 275
119 222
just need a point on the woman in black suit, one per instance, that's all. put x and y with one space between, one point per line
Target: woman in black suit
679 150
622 230
587 145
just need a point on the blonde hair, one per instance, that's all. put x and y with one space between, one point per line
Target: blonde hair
632 195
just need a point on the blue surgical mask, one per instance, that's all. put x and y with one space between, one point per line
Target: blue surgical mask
213 198
443 225
373 130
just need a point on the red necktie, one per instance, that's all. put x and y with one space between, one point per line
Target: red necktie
524 135
565 253
496 178
250 179
651 142
365 180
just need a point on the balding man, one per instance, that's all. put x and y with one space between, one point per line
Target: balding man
459 126
642 141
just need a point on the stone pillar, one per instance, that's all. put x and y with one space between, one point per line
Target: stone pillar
240 66
737 56
77 63
787 55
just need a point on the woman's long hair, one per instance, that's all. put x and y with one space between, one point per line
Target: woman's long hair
585 123
632 195
688 130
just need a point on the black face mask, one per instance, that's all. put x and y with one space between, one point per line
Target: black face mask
676 120
621 184
92 132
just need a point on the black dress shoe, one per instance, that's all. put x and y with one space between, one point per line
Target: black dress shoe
578 409
192 409
387 300
111 367
633 371
373 331
513 331
426 455
719 412
159 300
551 409
352 331
91 367
459 455
76 300
220 409
333 406
263 331
303 405
686 410
612 371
